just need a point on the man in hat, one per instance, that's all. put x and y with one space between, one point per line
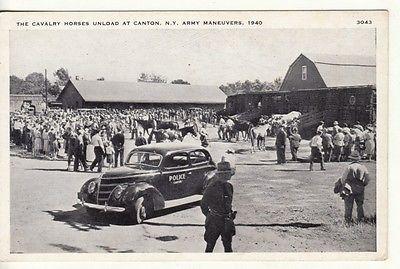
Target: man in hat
216 205
316 150
327 145
78 150
118 141
294 140
335 128
354 180
338 143
280 144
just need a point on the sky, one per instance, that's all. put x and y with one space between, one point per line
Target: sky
201 57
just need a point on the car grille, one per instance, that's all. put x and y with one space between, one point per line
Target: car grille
107 186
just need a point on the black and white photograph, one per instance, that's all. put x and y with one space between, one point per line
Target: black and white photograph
221 134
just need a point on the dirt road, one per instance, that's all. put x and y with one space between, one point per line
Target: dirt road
280 208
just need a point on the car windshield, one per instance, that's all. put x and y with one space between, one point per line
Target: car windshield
144 160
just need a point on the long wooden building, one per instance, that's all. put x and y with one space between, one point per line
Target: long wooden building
326 87
111 94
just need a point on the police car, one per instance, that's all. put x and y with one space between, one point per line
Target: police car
154 177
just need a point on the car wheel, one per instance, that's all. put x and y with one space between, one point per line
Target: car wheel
142 209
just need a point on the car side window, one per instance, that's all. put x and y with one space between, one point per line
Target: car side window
177 160
198 157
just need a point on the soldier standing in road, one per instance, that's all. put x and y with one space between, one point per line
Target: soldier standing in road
280 144
216 205
98 151
338 143
78 150
118 142
354 180
327 145
294 140
316 150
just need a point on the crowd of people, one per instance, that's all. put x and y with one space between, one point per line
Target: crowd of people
335 143
68 133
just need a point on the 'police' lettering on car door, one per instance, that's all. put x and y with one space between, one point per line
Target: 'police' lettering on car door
176 179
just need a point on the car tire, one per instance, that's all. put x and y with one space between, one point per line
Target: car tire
142 209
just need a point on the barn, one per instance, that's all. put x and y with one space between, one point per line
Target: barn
111 94
322 87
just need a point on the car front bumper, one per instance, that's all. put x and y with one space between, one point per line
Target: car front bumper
105 208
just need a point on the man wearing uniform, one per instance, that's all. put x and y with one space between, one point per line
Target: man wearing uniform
316 150
327 145
216 205
294 140
229 128
78 150
222 129
280 144
354 180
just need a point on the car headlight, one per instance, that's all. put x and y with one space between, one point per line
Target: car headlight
118 191
91 187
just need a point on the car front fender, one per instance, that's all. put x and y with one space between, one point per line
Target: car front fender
136 190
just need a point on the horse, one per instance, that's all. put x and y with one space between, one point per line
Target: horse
188 129
159 135
146 125
241 127
173 125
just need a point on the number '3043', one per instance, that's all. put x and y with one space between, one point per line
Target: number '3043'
364 22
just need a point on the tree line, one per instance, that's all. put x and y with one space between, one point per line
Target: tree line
35 83
251 86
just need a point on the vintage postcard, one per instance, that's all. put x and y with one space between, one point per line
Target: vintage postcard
180 136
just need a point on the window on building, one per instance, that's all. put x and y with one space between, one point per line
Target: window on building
304 72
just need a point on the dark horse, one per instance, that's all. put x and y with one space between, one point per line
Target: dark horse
162 135
188 129
149 124
146 125
241 127
173 125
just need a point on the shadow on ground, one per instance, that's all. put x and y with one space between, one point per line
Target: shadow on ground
291 224
80 220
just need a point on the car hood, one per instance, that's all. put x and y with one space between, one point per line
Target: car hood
126 172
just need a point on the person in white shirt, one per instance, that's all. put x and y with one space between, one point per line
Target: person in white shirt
338 143
98 145
316 150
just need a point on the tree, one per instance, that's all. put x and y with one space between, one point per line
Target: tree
32 84
37 79
250 86
145 77
180 81
16 84
61 76
277 83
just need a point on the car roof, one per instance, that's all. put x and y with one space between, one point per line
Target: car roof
165 148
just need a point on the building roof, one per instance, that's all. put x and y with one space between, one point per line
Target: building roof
345 70
145 92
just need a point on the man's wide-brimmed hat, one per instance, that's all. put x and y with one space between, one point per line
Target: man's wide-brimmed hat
355 156
224 167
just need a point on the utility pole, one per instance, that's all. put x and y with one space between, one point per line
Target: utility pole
45 87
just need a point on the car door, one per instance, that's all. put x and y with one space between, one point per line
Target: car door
173 179
200 164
